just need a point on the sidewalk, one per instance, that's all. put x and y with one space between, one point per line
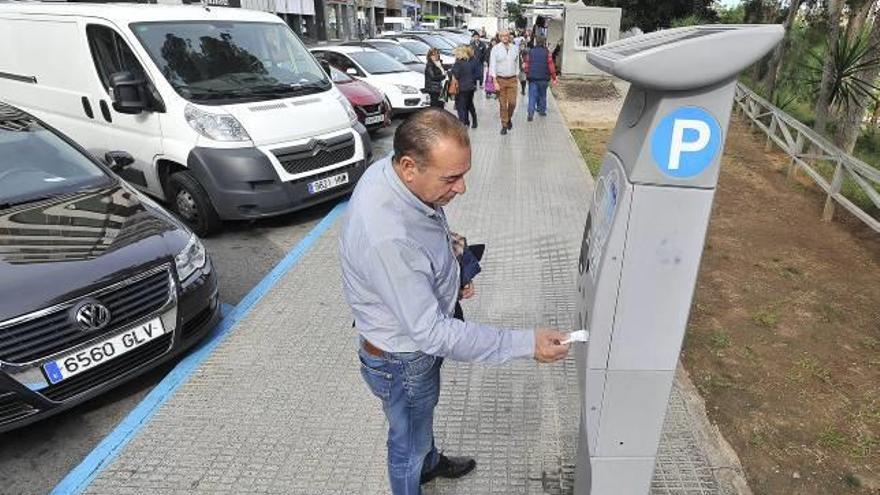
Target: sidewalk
280 407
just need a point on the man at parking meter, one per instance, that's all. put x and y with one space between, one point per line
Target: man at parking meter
401 279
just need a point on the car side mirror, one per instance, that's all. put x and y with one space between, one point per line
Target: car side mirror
351 71
129 93
326 66
118 160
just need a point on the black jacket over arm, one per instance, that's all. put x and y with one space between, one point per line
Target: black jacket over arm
434 77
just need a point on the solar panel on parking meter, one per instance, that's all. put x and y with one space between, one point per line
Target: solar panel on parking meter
644 238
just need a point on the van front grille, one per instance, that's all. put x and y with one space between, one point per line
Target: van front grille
316 154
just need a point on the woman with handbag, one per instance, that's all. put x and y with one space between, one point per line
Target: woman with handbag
434 76
465 73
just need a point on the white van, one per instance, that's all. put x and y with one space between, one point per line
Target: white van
396 24
225 112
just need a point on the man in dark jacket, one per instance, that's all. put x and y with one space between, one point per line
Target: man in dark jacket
480 54
539 69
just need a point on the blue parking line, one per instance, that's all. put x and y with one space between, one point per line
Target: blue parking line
106 451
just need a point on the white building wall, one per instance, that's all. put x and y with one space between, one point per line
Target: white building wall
586 28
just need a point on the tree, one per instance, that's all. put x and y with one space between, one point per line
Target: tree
823 102
862 92
775 63
515 14
651 15
731 15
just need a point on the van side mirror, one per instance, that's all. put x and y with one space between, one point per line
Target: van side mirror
129 93
351 71
118 160
326 66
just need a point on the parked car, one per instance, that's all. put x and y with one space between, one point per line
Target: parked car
431 39
99 284
225 112
371 105
393 49
420 50
454 37
400 85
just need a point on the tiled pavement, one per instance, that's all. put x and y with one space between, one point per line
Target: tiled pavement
280 407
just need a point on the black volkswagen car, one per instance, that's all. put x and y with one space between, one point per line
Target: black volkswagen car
97 283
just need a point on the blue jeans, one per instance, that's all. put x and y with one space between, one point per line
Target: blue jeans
408 384
537 97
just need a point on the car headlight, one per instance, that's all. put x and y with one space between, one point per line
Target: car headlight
407 90
216 126
193 257
352 115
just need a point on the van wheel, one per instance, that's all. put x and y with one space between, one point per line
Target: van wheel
192 204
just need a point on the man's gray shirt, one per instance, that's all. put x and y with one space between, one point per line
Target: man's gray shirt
401 278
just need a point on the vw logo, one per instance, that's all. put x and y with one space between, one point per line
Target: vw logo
91 315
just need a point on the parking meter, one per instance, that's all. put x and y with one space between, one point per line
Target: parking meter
644 238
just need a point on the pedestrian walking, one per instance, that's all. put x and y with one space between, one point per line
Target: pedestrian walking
401 279
489 81
504 70
466 71
540 71
434 76
521 75
480 54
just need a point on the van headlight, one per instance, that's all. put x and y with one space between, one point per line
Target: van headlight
352 115
216 126
407 90
193 257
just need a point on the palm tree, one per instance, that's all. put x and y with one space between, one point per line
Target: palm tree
823 103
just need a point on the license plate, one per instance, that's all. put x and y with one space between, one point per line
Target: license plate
328 183
375 119
101 352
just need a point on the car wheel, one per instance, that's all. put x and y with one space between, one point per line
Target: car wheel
192 204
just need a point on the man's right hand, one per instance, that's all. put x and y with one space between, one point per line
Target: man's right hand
547 345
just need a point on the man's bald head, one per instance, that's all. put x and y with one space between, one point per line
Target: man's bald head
432 153
417 135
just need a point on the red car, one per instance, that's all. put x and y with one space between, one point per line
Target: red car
371 106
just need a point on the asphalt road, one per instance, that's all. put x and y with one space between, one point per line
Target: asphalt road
35 458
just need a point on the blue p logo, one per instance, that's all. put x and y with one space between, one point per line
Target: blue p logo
685 142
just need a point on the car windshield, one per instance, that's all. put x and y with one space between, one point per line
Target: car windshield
213 61
397 52
339 77
437 41
37 164
377 62
416 47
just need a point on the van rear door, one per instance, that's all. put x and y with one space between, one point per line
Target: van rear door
141 134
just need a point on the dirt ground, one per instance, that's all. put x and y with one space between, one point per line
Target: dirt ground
594 102
784 336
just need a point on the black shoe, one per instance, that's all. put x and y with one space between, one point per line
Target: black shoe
474 125
450 467
503 131
530 118
510 125
542 114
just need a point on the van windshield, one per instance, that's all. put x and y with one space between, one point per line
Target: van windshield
217 61
37 164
